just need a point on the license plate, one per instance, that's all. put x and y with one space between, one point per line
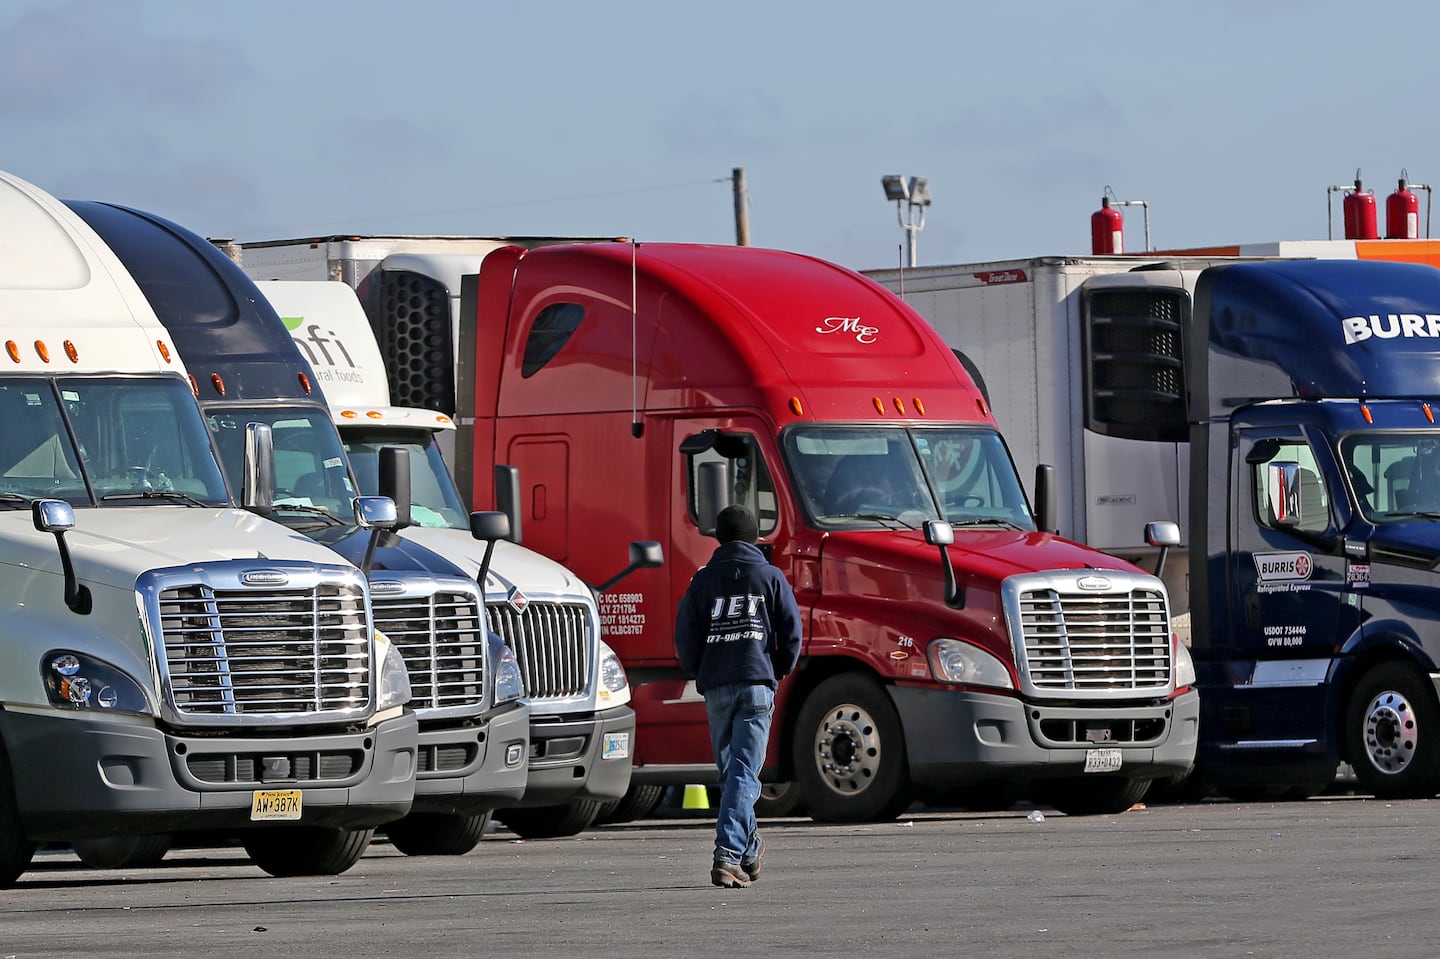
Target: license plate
1102 760
616 746
273 804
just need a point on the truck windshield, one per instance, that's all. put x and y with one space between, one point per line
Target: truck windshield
311 475
1395 475
112 441
434 500
858 476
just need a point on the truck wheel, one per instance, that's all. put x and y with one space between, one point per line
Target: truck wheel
551 822
850 752
122 852
437 834
1095 797
780 799
1392 733
638 802
306 850
15 850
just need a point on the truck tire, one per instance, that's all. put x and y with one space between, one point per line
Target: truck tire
780 799
638 802
437 834
551 822
15 850
122 852
1392 733
1096 796
849 752
306 850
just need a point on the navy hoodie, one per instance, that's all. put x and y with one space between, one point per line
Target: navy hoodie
738 622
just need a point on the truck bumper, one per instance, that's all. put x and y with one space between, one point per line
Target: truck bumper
586 757
955 737
474 768
78 776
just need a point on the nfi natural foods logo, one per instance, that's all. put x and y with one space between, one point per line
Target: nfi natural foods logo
324 349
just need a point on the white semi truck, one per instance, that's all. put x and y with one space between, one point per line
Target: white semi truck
168 662
581 724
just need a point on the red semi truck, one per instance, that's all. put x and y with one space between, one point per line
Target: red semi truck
634 389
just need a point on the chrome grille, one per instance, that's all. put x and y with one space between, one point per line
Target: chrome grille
265 651
443 642
1099 642
552 643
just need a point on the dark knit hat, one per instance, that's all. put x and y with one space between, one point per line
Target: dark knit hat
736 522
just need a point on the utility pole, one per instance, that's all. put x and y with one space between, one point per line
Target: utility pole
742 207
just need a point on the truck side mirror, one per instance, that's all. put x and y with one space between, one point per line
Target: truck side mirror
507 498
377 514
394 482
712 482
257 488
1164 535
56 516
942 534
488 526
644 554
1046 502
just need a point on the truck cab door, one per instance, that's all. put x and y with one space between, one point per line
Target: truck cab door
1289 603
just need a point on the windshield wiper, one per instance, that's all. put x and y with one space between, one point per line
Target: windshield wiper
317 511
986 521
166 494
1409 514
15 500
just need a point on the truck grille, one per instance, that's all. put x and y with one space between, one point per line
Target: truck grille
260 651
551 641
1096 642
443 643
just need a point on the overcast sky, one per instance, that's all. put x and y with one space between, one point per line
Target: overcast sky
268 119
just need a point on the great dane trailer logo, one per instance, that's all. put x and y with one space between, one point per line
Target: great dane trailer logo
1283 572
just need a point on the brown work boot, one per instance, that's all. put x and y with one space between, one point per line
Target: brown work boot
752 866
731 875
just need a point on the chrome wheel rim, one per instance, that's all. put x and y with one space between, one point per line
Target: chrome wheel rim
1390 732
847 749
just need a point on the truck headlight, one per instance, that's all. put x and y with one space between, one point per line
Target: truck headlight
614 684
955 662
509 682
1184 665
394 686
85 684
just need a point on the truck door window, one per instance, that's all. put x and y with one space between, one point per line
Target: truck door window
749 479
1289 492
551 330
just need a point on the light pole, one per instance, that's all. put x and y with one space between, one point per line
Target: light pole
914 193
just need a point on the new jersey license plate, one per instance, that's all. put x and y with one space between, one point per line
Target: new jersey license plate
1102 760
615 746
274 804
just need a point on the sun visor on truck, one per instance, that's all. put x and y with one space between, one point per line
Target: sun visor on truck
1314 329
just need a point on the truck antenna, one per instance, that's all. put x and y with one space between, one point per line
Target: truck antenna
637 428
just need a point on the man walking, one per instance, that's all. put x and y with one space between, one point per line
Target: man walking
738 633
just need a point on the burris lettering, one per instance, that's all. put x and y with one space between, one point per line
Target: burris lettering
849 324
1391 325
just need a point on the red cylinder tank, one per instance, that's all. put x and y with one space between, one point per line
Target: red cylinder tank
1360 219
1402 214
1107 230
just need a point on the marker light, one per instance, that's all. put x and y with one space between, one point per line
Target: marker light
375 415
348 414
1365 412
13 349
899 406
442 418
71 352
796 407
42 351
305 383
194 385
218 383
1428 414
919 406
879 406
164 350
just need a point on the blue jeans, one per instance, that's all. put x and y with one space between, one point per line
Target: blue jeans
739 731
